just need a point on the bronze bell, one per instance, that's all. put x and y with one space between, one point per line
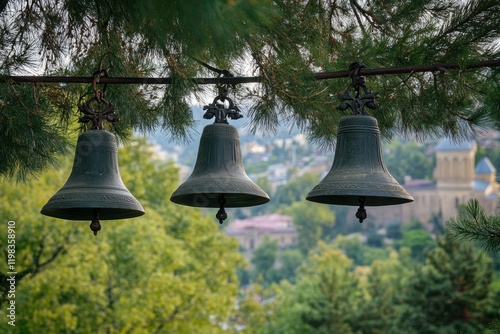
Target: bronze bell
94 189
358 175
218 178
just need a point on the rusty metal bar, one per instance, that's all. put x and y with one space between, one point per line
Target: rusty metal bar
243 80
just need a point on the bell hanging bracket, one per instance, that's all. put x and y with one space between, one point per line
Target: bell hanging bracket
218 109
96 117
357 103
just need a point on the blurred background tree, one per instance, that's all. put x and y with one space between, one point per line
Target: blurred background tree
450 292
323 300
313 221
408 159
263 259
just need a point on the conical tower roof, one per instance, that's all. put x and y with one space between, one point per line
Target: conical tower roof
447 144
484 166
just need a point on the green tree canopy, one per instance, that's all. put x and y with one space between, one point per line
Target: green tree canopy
451 293
360 253
408 159
282 42
383 296
416 239
39 240
322 301
314 222
290 261
293 191
264 258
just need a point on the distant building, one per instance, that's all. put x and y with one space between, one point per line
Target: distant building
250 232
277 174
254 148
457 180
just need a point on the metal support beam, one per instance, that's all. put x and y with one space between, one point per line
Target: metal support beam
243 80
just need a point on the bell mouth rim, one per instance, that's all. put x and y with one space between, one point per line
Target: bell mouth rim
353 199
85 214
210 200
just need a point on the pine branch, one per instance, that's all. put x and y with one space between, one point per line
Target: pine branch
474 225
285 41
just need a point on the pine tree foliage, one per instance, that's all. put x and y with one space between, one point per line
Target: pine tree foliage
282 41
385 282
473 225
450 293
29 132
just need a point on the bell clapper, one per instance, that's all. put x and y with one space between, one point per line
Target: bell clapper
96 224
361 214
221 214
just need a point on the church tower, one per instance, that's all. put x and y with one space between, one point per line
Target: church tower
454 174
455 164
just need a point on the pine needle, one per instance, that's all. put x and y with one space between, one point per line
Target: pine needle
473 225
